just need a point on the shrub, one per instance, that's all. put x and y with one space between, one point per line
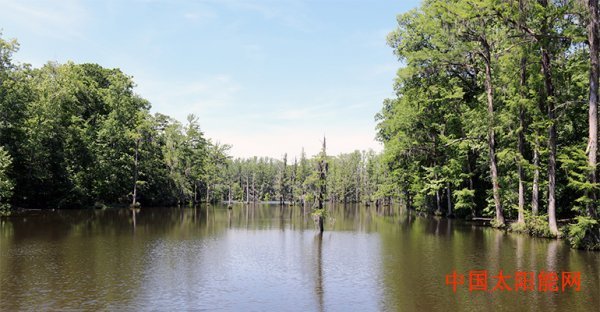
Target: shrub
538 226
497 225
585 234
519 227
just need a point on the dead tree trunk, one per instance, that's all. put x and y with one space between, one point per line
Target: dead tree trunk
322 166
135 174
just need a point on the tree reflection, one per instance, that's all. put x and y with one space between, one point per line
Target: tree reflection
133 216
319 276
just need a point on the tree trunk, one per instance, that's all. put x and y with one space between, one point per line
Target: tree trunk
521 144
207 193
552 137
592 148
438 196
322 165
321 228
438 202
449 195
322 182
253 189
195 192
135 175
247 191
471 182
357 194
491 135
535 191
229 196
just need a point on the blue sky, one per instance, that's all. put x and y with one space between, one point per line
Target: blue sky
267 77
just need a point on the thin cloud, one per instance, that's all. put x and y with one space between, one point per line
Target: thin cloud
60 20
290 13
200 16
293 114
202 96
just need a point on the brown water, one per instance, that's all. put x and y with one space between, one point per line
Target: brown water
265 258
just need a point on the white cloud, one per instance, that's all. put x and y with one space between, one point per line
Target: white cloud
58 19
200 96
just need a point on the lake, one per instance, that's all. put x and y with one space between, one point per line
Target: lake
268 258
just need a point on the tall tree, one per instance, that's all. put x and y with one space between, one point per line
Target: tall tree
592 147
322 168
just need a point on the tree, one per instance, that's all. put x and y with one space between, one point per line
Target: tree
322 167
283 181
592 147
6 185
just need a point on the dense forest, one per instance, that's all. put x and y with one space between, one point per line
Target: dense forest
496 113
353 177
495 116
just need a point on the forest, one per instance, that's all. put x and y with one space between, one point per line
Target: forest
496 113
77 135
495 116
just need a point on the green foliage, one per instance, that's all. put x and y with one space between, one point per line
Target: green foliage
573 161
78 136
495 224
518 227
320 213
355 177
585 234
463 199
6 185
437 130
538 226
309 198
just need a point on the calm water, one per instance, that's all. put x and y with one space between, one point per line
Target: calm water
265 258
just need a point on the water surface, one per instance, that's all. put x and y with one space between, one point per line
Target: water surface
268 258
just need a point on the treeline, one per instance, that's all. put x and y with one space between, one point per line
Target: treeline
496 113
352 177
76 135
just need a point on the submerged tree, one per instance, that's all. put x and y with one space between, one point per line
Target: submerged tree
321 172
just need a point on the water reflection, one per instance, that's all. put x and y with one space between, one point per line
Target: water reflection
261 257
319 291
